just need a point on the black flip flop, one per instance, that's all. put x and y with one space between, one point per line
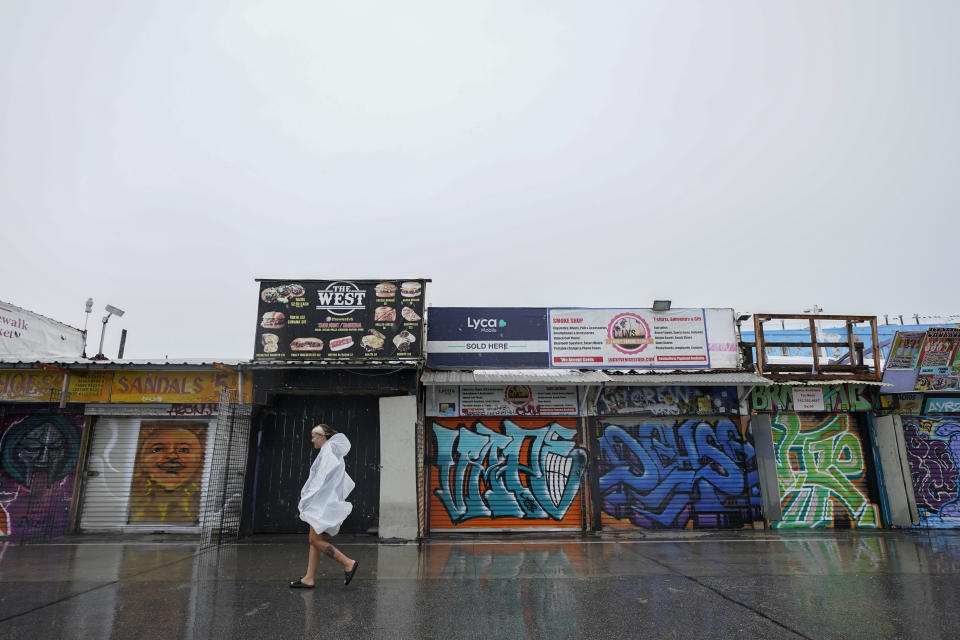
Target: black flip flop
300 584
348 575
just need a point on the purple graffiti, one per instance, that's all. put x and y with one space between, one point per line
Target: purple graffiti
935 465
673 473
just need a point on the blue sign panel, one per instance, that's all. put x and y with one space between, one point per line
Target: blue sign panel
487 338
942 405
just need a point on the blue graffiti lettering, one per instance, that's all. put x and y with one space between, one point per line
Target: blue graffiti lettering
672 473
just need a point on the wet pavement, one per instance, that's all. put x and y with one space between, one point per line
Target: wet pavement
813 584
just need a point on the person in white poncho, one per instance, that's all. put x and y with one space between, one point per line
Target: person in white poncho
323 503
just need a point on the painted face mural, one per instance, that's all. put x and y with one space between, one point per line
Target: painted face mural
821 472
933 448
663 473
167 473
38 455
499 472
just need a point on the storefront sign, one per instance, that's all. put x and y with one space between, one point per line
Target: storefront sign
836 398
938 361
942 405
340 320
23 385
170 386
628 339
667 401
487 337
509 400
24 333
808 399
905 350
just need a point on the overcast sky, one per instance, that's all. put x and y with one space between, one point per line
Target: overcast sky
765 156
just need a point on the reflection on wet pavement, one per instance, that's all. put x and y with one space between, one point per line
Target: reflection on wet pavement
815 585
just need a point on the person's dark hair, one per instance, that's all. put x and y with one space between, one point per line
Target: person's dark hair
325 430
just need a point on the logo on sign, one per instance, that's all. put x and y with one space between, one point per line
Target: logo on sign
485 325
628 333
341 298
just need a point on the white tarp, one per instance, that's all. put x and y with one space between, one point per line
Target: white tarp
27 334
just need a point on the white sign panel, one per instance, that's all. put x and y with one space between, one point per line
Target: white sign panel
628 339
23 333
808 399
509 400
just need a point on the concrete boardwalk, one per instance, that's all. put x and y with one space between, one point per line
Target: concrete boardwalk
815 584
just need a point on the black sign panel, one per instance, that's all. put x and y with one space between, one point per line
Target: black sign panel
340 320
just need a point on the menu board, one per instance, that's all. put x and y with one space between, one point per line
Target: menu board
340 320
628 338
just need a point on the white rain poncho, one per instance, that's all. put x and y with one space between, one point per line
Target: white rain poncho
323 499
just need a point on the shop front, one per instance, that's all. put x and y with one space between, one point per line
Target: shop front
346 354
921 407
826 474
504 457
674 456
150 457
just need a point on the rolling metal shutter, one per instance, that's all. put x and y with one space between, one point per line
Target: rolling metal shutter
505 474
159 489
824 471
675 473
935 468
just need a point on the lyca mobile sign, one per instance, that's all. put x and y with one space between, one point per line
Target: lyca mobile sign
487 337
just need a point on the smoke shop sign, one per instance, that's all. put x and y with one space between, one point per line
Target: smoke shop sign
835 397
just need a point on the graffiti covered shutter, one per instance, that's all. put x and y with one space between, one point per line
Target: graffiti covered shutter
144 474
505 473
823 471
933 449
656 473
39 449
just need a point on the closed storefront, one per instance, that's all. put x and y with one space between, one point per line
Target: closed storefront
509 458
146 470
933 450
39 450
673 457
824 460
505 473
285 453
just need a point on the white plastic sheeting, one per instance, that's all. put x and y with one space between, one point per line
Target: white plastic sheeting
24 333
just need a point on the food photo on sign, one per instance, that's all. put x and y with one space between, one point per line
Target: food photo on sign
339 319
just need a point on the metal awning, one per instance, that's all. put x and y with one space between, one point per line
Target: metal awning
691 379
512 376
592 377
820 383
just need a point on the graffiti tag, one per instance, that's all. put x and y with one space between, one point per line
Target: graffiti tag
819 464
482 471
671 473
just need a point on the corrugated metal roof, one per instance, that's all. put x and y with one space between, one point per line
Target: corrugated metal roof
701 379
512 376
24 363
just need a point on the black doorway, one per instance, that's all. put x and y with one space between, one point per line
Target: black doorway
285 454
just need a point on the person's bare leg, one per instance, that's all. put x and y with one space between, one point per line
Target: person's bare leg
313 559
331 551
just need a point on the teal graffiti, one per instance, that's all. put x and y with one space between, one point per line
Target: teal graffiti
481 471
